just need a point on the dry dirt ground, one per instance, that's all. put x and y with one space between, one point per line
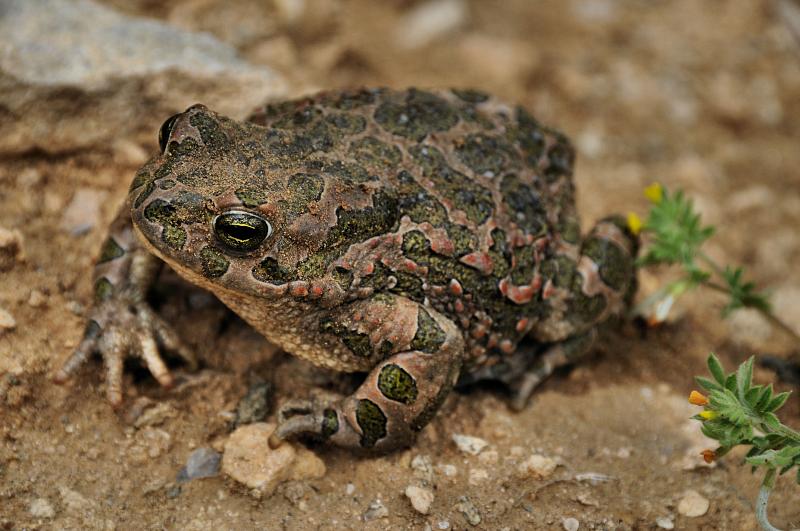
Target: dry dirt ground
699 95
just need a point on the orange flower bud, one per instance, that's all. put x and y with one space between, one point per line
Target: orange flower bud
708 456
698 399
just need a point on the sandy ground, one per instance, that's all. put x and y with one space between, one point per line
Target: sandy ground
698 95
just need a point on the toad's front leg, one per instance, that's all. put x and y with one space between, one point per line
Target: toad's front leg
121 323
420 364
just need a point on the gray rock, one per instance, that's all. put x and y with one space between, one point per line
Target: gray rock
375 511
255 405
468 509
85 75
202 463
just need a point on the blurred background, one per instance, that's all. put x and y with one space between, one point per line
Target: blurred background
698 94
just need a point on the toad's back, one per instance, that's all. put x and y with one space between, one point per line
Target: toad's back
477 193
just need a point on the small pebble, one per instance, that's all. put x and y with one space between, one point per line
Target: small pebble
570 524
538 466
307 466
422 467
468 444
375 511
665 522
249 459
83 211
430 20
349 489
202 463
41 508
7 321
10 248
447 470
74 502
75 308
255 405
693 504
421 498
468 509
593 478
477 476
37 299
156 415
489 457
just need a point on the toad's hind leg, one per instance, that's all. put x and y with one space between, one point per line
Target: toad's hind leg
558 355
400 395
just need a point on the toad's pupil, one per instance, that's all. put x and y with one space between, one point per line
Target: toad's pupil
241 231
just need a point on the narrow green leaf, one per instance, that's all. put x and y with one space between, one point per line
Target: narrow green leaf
751 396
744 375
777 402
707 384
764 397
772 421
715 368
730 382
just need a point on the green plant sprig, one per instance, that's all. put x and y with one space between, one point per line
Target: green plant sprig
736 412
677 237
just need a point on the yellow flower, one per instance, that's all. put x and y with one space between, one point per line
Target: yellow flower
654 193
708 455
708 414
698 399
634 223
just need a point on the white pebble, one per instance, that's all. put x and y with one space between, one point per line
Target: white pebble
693 504
570 524
421 498
429 21
665 522
538 466
468 444
41 508
7 321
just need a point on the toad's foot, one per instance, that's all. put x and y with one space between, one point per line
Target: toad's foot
118 328
558 355
401 393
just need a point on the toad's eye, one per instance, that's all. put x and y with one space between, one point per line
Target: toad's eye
241 231
165 131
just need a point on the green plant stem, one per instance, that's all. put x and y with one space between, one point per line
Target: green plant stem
774 321
711 263
763 501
